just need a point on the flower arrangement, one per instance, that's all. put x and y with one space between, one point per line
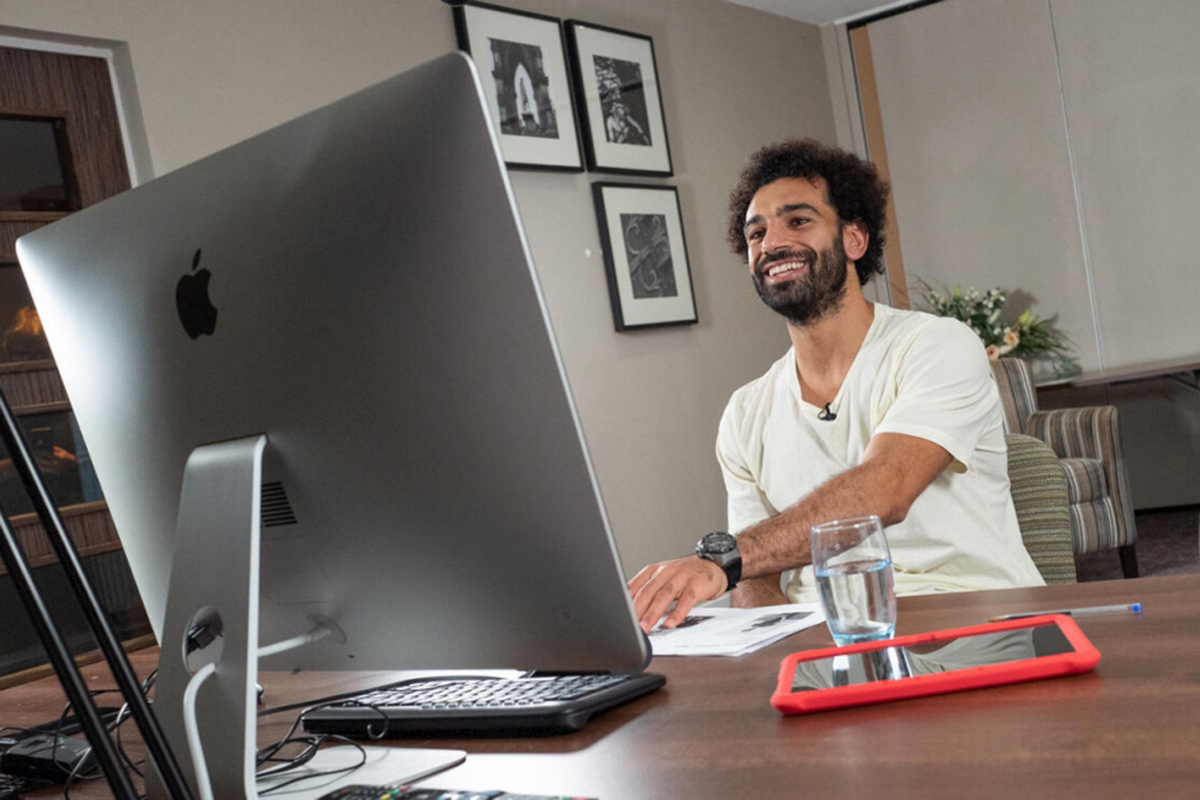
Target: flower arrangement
1029 336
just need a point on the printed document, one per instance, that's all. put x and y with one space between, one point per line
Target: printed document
714 631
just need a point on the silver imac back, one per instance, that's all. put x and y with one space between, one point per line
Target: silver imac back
377 318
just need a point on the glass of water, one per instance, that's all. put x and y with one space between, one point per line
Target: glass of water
854 579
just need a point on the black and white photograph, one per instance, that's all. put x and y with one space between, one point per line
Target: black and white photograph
648 253
645 255
620 101
690 621
522 90
522 63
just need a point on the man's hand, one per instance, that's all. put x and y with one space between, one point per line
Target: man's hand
684 582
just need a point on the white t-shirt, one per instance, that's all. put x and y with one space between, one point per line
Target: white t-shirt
915 374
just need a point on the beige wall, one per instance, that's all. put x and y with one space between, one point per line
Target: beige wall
210 74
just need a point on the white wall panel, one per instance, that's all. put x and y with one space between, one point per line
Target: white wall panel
1131 79
978 155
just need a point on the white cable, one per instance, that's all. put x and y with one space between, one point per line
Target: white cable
319 632
195 747
203 786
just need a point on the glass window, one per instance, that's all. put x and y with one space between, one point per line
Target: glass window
21 336
62 458
32 175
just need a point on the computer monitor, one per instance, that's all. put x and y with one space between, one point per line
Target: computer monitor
354 289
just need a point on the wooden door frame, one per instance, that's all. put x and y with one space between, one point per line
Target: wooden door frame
859 126
120 75
872 121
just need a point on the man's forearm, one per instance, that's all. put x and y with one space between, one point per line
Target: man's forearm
762 591
785 540
895 469
885 484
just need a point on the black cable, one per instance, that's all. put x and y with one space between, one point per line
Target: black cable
312 744
130 764
56 647
74 776
124 714
323 773
58 729
16 729
59 734
266 753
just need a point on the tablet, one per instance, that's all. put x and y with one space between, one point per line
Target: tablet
933 663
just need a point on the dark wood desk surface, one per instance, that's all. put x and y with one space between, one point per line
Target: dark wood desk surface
1132 372
1130 729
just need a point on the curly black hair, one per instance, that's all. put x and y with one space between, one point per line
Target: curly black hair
853 188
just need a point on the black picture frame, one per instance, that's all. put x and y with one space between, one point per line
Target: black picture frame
522 64
645 255
620 100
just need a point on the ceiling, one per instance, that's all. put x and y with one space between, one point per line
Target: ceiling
819 12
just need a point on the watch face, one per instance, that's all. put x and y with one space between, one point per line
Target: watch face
718 543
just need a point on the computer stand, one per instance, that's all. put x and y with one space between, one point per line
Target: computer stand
212 618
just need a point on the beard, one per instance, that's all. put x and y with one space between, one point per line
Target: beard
812 295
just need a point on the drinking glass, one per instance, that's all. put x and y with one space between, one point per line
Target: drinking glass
854 579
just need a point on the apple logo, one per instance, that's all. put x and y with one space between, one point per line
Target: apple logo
196 311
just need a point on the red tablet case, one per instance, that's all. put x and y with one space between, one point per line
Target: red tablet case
1082 659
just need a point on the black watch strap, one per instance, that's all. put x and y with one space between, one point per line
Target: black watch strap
733 573
721 548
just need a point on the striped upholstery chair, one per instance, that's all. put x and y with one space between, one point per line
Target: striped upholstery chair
1087 442
1039 492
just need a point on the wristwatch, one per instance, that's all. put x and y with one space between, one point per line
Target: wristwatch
721 548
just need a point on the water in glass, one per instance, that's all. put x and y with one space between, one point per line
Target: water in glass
854 579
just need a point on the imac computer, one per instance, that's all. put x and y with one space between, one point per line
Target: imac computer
319 385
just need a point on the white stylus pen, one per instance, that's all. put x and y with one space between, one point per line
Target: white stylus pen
1088 611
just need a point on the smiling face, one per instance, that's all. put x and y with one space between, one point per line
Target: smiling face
798 247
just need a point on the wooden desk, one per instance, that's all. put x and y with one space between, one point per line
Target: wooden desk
1173 368
1130 729
1157 402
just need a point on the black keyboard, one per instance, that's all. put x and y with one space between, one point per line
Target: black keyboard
465 707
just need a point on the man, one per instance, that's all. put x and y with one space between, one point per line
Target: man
873 410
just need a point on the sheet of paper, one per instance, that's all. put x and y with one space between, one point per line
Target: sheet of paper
733 631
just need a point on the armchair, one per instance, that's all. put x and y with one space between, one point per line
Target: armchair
1088 444
1039 492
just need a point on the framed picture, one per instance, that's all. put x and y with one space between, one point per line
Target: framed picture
523 67
645 255
620 105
